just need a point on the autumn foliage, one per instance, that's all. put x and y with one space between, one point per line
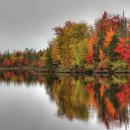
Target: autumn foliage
79 46
26 58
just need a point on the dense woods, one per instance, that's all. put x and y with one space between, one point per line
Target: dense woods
27 58
81 47
106 45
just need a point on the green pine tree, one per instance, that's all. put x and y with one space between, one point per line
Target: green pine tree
96 55
110 51
49 60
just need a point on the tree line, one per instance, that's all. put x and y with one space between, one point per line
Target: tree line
26 58
106 45
80 46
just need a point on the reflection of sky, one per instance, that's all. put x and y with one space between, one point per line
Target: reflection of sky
23 108
123 127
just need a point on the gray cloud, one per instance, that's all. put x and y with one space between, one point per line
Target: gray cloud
29 23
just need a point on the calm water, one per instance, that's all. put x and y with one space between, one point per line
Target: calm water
30 101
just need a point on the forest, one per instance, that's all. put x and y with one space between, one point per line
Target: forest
80 47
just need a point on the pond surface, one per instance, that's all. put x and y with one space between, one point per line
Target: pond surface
30 101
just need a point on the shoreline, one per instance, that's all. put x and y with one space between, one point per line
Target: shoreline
65 71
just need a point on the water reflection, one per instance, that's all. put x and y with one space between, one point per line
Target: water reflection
78 97
19 77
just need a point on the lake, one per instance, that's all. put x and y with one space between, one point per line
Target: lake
34 101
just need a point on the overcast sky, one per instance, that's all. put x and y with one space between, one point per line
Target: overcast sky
29 23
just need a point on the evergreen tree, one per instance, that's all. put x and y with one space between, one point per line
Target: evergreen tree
122 30
96 54
100 39
110 51
48 59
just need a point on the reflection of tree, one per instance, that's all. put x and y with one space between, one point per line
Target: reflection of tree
71 98
109 100
49 81
109 96
75 96
21 77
